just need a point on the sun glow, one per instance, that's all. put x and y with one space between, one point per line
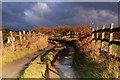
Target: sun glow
25 13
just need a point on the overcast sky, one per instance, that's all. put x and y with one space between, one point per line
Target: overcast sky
26 15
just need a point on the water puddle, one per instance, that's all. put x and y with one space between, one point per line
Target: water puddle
66 66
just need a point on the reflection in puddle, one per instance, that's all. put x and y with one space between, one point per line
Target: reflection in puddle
67 62
65 66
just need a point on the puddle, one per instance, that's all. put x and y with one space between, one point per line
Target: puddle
66 67
67 62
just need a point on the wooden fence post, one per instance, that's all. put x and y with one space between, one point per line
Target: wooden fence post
77 33
1 50
110 39
39 34
102 38
24 35
29 34
20 36
1 41
8 39
12 41
96 35
89 32
33 35
93 34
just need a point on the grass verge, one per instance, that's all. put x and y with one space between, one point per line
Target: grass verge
93 64
23 49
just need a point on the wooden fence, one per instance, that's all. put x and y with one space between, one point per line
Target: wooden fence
95 37
23 36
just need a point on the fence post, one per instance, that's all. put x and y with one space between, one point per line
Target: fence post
24 35
1 41
29 34
8 39
12 41
20 36
39 34
34 35
93 34
89 31
102 38
110 39
96 35
1 50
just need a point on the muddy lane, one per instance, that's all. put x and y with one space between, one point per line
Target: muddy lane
13 69
63 67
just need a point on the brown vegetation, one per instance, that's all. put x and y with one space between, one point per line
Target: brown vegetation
63 29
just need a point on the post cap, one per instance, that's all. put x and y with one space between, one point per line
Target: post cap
97 28
93 29
103 27
111 25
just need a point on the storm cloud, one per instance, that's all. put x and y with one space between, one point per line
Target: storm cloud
26 15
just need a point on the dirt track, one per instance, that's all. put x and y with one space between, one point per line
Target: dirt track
13 69
62 67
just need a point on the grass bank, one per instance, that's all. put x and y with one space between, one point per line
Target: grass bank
93 64
23 49
37 68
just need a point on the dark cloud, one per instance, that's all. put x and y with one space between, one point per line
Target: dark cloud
13 15
18 7
29 15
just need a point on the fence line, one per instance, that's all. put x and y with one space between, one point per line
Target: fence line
103 30
23 35
94 34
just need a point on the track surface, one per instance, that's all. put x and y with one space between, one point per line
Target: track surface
13 69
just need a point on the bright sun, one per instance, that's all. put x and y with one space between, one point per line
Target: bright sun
25 13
